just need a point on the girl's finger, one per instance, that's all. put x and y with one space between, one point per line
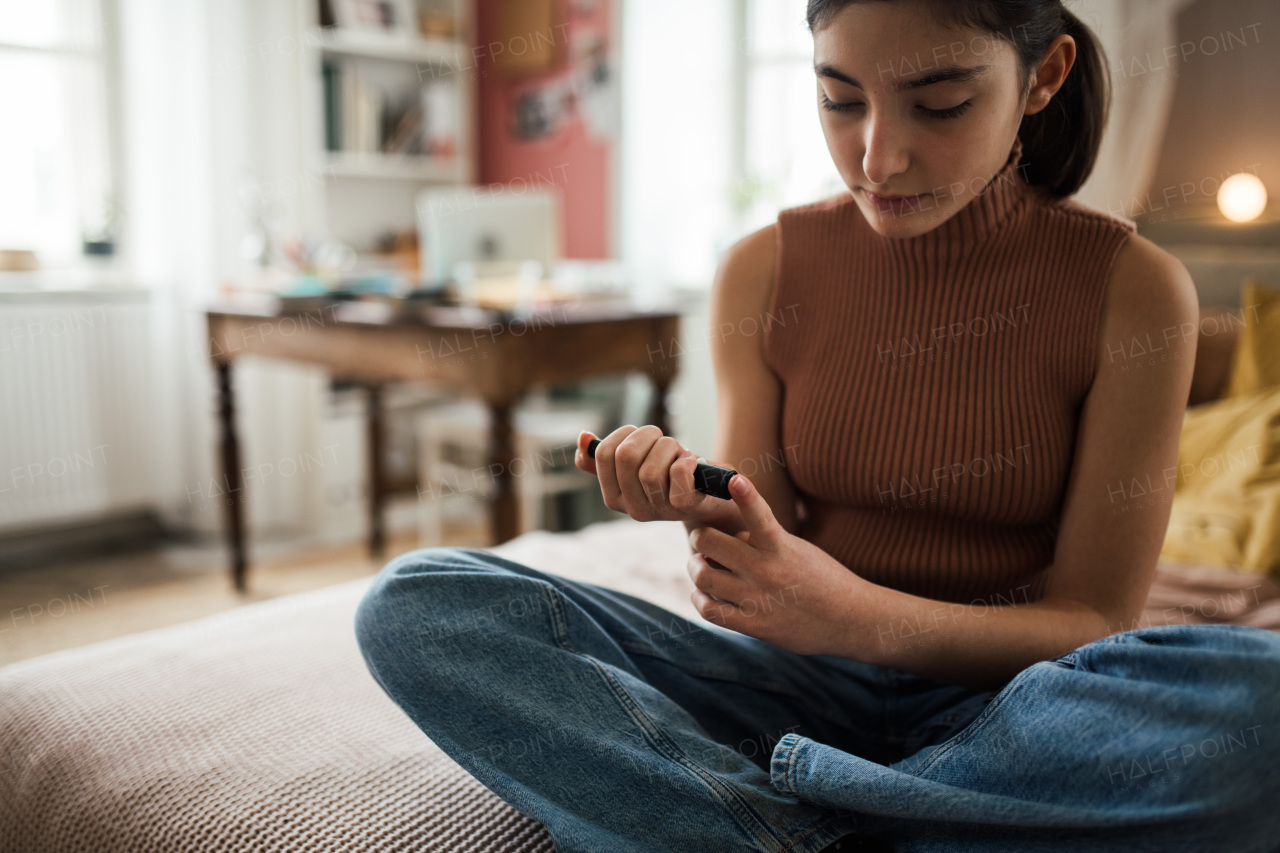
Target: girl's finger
606 471
581 458
683 494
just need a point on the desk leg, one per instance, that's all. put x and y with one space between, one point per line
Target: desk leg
658 408
377 487
231 475
503 518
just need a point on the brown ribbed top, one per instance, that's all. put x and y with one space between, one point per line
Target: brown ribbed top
933 384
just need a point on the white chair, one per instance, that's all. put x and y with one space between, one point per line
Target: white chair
453 459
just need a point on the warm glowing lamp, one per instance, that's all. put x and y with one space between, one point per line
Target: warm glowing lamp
1242 197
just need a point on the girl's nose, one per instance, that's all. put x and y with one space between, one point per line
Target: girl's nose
885 155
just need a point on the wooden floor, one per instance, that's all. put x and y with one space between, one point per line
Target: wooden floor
60 607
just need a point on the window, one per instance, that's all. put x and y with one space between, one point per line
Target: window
55 163
784 156
676 140
720 131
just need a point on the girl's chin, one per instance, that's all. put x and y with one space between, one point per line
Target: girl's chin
900 224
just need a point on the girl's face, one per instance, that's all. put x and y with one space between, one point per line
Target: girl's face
911 109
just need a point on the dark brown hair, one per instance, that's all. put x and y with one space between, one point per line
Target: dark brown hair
1059 143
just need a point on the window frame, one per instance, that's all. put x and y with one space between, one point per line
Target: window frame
747 62
106 56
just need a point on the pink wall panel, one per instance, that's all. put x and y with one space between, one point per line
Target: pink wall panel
545 130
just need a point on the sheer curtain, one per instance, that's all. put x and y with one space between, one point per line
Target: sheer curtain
203 109
167 191
1135 35
678 91
720 131
783 155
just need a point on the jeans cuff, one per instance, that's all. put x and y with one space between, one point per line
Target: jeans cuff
782 763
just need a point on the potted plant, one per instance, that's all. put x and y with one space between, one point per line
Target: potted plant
103 241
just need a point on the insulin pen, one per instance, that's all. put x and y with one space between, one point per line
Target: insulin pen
708 479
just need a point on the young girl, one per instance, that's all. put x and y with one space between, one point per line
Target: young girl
921 599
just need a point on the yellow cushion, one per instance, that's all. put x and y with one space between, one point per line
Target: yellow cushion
1256 364
1226 503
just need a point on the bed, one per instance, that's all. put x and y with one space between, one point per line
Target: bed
259 729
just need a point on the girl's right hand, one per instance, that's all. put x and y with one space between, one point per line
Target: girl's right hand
649 476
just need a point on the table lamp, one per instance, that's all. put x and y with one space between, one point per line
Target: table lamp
1242 197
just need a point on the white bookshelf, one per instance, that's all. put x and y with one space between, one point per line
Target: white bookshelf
435 170
340 42
353 195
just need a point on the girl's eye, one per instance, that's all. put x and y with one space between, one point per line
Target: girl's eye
828 104
953 112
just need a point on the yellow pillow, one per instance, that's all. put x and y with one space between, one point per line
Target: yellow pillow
1256 363
1226 503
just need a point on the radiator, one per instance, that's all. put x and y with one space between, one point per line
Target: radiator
75 408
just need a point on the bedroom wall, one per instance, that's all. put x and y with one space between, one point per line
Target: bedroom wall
1225 116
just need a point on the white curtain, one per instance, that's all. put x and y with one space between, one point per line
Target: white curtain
1135 35
207 105
676 126
168 184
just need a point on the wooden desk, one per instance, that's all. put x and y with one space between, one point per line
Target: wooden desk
495 356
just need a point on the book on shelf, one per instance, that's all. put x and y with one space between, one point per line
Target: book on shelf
404 128
392 17
331 76
402 19
360 118
440 105
353 118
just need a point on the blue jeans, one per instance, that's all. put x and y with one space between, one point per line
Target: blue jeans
621 726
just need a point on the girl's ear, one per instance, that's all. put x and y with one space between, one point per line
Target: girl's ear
1052 73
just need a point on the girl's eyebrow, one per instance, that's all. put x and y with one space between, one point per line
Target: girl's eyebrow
958 74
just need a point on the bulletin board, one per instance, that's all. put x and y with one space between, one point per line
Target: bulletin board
572 84
529 35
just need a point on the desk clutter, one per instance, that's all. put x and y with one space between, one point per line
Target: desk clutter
314 275
434 308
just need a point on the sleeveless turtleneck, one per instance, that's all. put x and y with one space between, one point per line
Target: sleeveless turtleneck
932 385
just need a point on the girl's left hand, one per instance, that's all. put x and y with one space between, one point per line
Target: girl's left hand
778 587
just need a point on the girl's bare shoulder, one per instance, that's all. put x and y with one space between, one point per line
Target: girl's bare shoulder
744 281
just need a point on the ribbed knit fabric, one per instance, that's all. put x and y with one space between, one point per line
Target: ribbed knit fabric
933 384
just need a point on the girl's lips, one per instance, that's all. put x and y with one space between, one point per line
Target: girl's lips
895 204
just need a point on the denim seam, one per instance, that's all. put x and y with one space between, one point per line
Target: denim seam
791 763
746 816
967 732
559 619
